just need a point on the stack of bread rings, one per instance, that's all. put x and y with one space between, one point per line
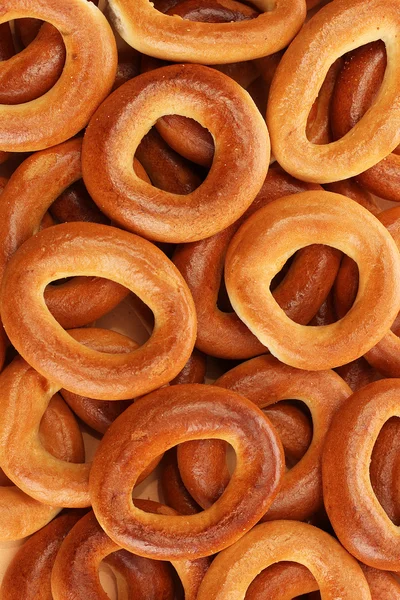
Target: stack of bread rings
199 299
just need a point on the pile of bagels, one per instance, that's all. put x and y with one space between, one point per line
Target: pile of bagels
226 172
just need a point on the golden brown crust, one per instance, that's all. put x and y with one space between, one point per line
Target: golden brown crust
78 91
75 204
140 25
219 104
349 188
285 580
203 466
269 237
383 585
357 517
318 123
6 52
282 581
336 29
194 371
101 251
48 475
153 425
337 573
184 135
48 479
358 373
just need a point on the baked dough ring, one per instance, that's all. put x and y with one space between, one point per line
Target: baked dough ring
338 575
6 51
103 251
357 517
336 29
118 126
186 136
204 466
38 181
206 472
269 237
349 188
80 88
21 515
158 422
172 38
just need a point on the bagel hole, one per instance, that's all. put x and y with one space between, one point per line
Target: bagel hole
170 153
212 11
149 488
293 422
108 580
257 588
356 87
345 288
384 472
223 301
129 316
317 293
39 68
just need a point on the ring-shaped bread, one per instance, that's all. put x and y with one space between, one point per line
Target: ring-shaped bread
266 241
91 249
87 77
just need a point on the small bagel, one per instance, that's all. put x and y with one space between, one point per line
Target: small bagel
269 237
219 104
78 91
337 28
158 422
176 39
101 251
